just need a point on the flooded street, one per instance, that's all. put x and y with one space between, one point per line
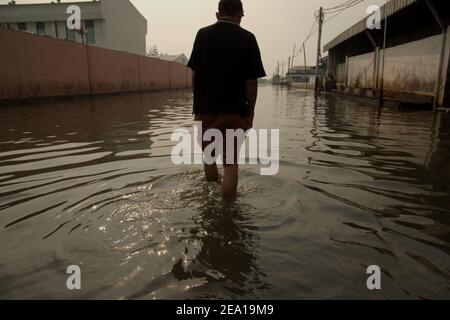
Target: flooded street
91 183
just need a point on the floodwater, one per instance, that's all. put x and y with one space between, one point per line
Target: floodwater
91 183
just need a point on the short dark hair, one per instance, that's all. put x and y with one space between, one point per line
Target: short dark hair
230 7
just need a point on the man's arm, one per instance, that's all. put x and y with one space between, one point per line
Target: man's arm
194 59
251 89
255 70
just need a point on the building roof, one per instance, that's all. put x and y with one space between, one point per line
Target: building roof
169 57
29 12
389 9
56 11
301 70
174 58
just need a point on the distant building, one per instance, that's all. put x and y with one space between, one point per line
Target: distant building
301 74
112 24
416 58
181 58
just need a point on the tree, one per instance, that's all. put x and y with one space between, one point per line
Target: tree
153 52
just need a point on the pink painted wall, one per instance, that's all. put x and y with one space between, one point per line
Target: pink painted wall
178 75
33 66
154 73
113 71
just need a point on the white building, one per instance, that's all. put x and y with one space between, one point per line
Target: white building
301 74
112 24
180 58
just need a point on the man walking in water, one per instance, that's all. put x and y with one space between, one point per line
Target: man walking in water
226 64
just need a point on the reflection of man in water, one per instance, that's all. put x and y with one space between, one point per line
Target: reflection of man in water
228 259
226 64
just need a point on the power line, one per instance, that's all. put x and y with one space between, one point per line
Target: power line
334 16
336 10
313 30
338 6
344 6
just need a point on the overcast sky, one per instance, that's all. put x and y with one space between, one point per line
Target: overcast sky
277 24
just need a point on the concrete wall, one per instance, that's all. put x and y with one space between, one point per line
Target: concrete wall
178 75
410 67
154 73
113 71
32 66
361 71
35 66
340 73
413 67
444 96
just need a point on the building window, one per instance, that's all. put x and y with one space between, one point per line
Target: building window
40 28
22 26
90 29
56 29
70 34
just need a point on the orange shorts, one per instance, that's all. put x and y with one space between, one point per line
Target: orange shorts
223 122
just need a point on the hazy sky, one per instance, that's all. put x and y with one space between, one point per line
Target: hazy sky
277 24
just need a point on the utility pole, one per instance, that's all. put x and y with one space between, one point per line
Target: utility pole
319 49
288 70
304 58
278 73
381 89
293 56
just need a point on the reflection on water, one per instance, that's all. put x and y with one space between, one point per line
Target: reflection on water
91 183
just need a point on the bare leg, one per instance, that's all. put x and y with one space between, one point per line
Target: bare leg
211 172
230 180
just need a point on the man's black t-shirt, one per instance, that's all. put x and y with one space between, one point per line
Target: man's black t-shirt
224 57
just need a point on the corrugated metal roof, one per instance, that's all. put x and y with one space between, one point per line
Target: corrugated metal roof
392 7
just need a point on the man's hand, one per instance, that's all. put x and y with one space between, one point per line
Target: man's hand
249 122
251 90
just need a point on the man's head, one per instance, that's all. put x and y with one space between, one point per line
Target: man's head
230 10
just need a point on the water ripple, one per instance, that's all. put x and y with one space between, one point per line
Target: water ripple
90 182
